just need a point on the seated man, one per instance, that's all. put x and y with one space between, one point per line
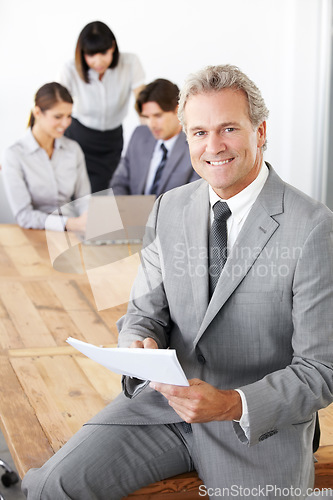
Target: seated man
236 276
157 157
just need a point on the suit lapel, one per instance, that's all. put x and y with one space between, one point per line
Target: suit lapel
196 227
256 232
144 159
172 162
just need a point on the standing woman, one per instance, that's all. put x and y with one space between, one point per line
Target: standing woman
44 172
101 81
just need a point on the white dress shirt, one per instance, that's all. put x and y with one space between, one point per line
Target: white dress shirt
156 159
240 206
102 104
37 185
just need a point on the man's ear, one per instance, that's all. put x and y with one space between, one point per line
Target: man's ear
261 134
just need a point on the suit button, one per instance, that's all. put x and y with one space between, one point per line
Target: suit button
201 359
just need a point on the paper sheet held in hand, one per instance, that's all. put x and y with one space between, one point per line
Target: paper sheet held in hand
157 365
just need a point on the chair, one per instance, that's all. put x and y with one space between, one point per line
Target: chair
316 436
6 215
9 477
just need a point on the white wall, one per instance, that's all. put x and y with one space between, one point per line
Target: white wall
283 45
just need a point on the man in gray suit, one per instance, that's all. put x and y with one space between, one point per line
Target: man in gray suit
254 337
157 158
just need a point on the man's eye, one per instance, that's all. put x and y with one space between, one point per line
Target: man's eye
200 133
229 129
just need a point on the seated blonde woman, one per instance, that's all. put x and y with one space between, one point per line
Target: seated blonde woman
44 171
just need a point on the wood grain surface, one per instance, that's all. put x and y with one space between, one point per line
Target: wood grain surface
48 389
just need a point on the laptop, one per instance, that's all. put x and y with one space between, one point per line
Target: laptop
117 220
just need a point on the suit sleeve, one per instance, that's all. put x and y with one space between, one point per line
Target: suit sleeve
121 179
148 311
291 395
120 182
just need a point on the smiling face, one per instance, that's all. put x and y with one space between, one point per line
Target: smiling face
225 147
101 61
162 124
53 122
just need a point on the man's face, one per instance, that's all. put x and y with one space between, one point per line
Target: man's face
162 124
225 148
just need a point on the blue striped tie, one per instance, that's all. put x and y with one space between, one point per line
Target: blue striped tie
154 188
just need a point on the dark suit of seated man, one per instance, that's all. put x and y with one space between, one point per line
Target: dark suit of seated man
146 168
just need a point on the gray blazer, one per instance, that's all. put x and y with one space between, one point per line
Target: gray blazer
267 330
131 174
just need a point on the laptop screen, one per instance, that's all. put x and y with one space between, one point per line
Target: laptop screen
117 219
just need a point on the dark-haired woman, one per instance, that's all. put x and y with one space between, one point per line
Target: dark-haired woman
101 80
44 172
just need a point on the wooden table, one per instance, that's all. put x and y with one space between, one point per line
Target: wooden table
48 389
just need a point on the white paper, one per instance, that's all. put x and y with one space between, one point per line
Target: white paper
157 365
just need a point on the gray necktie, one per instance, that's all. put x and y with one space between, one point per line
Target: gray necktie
153 189
218 243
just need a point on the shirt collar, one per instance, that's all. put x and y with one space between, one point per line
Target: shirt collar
59 143
32 145
169 144
241 203
30 142
94 76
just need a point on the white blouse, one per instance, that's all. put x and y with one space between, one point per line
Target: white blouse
102 104
37 185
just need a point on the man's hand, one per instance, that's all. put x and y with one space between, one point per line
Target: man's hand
147 343
201 402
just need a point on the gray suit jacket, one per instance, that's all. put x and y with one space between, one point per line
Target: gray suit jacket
132 171
267 330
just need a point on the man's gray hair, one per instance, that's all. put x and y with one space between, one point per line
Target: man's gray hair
216 78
